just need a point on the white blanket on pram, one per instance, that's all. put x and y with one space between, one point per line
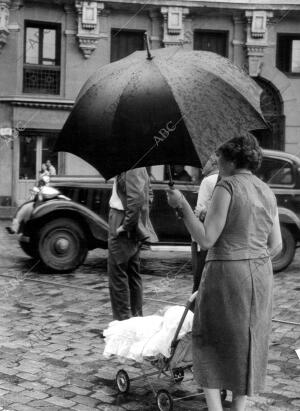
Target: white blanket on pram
141 337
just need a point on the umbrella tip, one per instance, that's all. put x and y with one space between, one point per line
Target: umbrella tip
146 37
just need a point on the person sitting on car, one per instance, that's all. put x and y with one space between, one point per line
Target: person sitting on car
43 173
50 168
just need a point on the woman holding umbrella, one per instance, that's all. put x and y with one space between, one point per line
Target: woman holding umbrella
233 309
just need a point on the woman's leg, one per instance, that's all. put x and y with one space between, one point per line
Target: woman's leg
238 402
213 399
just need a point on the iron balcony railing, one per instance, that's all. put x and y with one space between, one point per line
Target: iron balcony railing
41 79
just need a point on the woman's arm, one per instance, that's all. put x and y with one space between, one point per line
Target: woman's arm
204 234
275 240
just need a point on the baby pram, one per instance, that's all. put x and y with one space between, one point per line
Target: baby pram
173 367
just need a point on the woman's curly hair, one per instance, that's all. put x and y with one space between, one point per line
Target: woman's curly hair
244 151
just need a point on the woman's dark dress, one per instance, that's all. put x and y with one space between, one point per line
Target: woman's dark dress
233 310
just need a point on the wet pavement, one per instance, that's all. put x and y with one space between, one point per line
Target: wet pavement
51 350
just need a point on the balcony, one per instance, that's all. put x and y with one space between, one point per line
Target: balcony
41 79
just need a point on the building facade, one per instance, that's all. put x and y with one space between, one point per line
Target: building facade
49 48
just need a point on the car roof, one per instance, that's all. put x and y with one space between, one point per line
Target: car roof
281 154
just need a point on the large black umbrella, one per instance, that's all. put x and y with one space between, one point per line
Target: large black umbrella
175 107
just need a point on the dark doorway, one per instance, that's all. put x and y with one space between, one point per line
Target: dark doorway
272 109
125 42
215 41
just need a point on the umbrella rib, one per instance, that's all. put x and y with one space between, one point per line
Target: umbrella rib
152 147
143 156
224 81
86 87
155 144
172 92
227 81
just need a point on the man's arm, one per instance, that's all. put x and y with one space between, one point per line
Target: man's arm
205 193
135 184
203 197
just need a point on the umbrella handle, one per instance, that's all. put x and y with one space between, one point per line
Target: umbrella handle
146 38
178 211
171 181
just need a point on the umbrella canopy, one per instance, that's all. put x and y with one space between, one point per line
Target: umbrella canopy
174 108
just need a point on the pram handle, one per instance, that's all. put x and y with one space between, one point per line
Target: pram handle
193 297
187 307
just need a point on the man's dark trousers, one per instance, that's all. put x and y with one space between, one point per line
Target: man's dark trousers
125 287
123 266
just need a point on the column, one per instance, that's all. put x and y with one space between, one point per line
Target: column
156 34
238 42
257 38
4 20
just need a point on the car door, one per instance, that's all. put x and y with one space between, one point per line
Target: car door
280 175
170 229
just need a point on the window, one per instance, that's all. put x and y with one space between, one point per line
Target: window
272 109
288 53
41 58
27 158
276 172
35 149
125 42
215 41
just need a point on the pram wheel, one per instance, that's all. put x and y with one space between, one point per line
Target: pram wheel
164 400
122 381
178 374
223 395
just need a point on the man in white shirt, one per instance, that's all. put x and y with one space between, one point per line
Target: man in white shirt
129 228
210 172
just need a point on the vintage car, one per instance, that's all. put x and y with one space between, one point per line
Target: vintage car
61 224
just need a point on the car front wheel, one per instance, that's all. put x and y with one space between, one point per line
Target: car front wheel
286 256
62 245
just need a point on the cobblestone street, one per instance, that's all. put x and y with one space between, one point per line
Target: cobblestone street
51 350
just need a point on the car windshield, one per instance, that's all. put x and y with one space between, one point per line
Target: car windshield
276 172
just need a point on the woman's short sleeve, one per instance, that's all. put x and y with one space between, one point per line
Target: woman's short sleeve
227 184
274 204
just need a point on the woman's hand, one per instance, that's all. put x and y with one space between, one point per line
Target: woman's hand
120 230
175 198
197 211
200 212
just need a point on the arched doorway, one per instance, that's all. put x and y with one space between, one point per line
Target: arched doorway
272 109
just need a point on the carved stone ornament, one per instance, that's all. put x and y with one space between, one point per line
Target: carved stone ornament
255 56
259 24
88 32
4 19
257 38
173 24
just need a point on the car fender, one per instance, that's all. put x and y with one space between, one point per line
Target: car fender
287 216
97 225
